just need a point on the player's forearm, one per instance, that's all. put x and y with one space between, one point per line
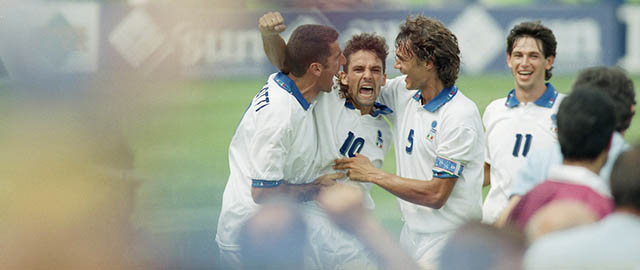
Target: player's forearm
275 49
432 193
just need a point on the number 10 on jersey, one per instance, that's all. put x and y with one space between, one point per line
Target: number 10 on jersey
351 145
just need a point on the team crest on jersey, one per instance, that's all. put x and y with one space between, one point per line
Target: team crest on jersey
554 123
432 134
379 141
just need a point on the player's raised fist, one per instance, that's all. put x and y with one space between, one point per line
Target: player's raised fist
271 23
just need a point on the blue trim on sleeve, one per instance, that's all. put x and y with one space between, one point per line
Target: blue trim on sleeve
546 100
265 183
444 165
288 85
442 98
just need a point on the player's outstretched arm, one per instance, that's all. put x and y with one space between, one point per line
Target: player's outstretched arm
298 192
271 25
344 205
434 193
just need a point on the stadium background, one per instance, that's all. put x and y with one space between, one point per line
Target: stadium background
180 139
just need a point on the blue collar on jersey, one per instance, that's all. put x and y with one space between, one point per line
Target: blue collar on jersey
443 97
287 84
378 108
546 100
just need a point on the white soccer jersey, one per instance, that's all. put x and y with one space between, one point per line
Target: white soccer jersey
513 131
343 132
443 138
275 140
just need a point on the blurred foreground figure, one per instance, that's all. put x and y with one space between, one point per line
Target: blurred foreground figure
481 246
275 237
611 243
66 185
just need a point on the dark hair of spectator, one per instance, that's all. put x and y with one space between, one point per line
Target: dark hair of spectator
586 122
616 83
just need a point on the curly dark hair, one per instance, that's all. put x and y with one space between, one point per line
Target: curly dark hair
367 42
539 32
429 40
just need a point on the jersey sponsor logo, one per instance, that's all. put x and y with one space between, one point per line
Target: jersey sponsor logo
432 134
351 145
379 141
262 98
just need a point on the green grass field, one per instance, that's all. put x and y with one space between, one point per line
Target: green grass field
181 150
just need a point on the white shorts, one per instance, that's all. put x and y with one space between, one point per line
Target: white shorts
425 248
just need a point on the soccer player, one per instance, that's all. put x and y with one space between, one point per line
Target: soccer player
586 121
524 121
273 150
611 243
349 121
619 87
438 140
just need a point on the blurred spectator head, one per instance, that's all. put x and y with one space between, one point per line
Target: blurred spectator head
586 121
481 246
275 237
616 83
625 180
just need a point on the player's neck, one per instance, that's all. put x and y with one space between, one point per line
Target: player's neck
307 87
628 210
532 94
592 165
363 109
431 90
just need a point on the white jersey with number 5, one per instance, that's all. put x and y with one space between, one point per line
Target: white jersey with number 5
442 138
513 131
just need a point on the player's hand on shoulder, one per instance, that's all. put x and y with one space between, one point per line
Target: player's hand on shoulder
271 23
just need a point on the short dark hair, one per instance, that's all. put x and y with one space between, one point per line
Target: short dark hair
364 42
429 40
308 44
614 82
585 124
537 31
625 179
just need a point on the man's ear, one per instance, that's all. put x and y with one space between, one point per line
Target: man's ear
315 69
509 60
549 62
343 77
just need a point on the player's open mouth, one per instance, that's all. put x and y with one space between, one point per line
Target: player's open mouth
524 74
366 91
